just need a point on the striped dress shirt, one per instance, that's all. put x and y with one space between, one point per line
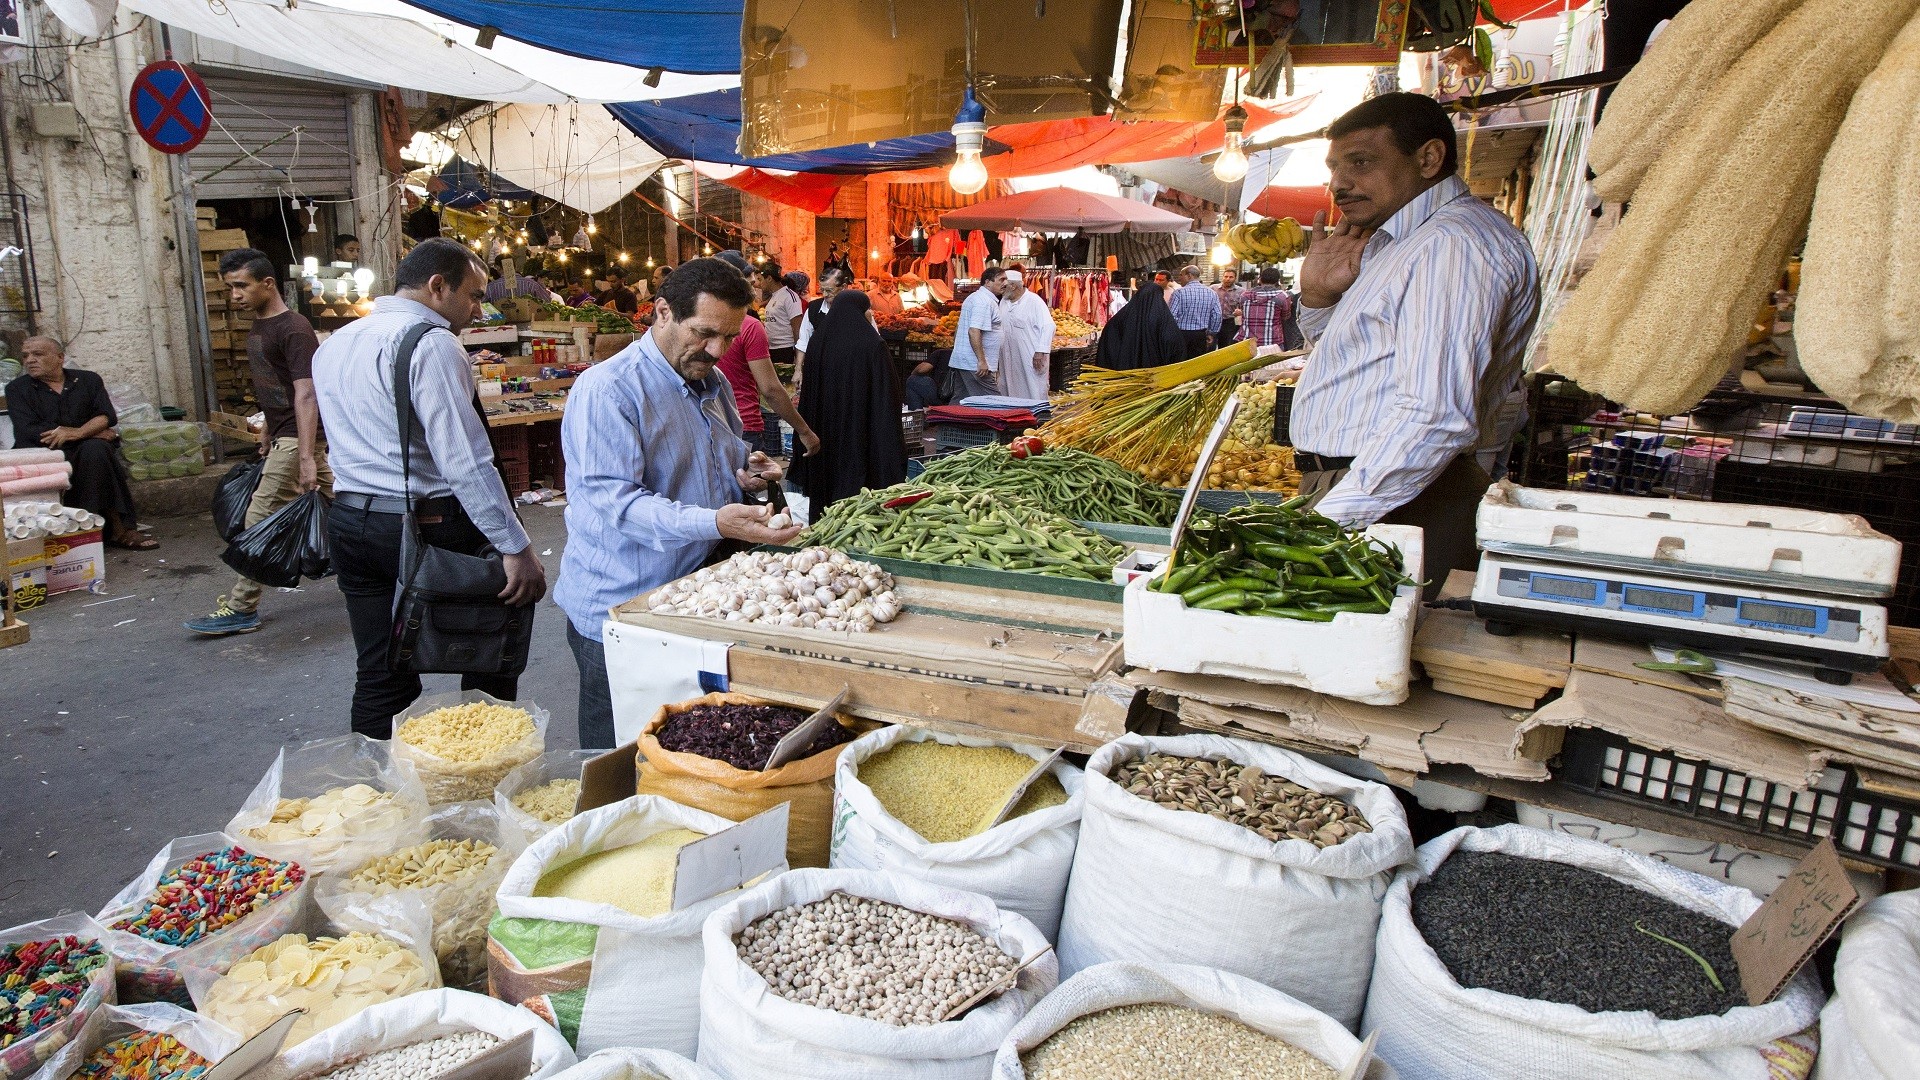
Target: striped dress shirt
1409 368
650 458
1195 307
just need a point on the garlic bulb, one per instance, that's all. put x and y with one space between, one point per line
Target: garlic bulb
814 588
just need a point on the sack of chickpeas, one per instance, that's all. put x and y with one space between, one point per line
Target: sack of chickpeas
846 975
1205 850
422 1034
463 744
919 803
445 882
541 794
637 1063
586 936
1125 1021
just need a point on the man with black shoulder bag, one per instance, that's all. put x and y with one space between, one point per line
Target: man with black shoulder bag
437 571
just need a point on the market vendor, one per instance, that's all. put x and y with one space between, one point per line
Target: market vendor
656 469
67 409
1419 304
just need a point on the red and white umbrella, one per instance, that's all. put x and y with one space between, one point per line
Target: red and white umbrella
1064 210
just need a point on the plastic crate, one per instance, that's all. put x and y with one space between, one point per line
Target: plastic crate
1863 825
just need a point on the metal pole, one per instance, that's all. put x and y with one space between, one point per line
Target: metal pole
187 238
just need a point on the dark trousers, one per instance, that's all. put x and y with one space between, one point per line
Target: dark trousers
100 482
596 695
767 440
1445 512
365 546
1199 342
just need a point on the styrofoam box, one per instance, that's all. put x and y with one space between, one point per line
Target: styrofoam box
1358 657
1732 536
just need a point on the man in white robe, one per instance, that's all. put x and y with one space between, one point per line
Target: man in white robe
1026 341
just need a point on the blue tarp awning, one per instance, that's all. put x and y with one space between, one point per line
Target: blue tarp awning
468 186
699 37
706 127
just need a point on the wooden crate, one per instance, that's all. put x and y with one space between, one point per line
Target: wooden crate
232 426
223 239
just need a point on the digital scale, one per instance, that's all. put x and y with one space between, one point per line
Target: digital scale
1740 579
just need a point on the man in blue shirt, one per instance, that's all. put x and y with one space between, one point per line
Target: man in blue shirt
1196 311
654 469
976 342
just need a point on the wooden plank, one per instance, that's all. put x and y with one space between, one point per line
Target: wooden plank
1605 656
1517 698
1458 640
1877 735
1479 678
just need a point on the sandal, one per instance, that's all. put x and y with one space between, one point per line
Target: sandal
140 542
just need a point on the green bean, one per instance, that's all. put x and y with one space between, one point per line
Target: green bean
956 526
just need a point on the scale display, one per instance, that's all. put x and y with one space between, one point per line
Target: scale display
1707 606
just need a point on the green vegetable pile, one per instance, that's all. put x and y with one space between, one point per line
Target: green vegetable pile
1074 483
604 320
938 523
1283 562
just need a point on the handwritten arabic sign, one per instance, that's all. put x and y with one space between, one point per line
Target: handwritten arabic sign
1800 915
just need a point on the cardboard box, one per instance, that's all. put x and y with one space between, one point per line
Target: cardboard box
76 561
27 587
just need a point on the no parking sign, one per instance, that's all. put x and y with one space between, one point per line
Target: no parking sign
170 107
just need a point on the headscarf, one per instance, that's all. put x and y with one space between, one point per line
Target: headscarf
1142 334
853 401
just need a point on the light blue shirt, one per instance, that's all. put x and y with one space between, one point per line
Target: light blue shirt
650 458
1410 368
980 311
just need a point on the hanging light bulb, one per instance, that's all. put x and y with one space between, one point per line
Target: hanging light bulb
592 229
1231 166
969 173
706 249
1220 254
623 258
560 257
649 262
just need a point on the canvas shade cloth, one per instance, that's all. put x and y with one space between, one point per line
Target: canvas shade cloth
1298 203
693 36
1064 210
576 155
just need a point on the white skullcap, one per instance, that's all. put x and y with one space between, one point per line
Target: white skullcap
1013 275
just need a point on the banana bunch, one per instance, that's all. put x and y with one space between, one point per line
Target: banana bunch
1270 241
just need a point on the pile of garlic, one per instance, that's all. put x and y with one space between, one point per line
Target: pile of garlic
816 588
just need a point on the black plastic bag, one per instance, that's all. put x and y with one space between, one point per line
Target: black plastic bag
230 499
287 545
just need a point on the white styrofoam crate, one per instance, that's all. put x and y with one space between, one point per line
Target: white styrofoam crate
1684 534
1358 657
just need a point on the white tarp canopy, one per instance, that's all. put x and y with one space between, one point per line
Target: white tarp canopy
578 155
390 43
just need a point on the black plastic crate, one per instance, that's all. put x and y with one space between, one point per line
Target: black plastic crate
1863 825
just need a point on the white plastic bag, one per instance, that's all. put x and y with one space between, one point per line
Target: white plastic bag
1022 865
1871 1028
467 781
56 1050
635 1063
602 975
457 911
1163 886
1432 1028
151 971
747 1031
313 769
207 1038
548 767
1208 990
429 1014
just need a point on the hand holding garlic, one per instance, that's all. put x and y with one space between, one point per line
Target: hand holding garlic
754 524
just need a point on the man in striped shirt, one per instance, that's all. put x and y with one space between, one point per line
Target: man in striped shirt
1419 305
1196 311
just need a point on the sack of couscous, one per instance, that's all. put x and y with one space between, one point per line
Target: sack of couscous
541 794
463 744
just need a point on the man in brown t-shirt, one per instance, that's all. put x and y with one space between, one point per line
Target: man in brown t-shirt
280 350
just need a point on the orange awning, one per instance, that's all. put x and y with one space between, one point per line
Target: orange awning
1298 203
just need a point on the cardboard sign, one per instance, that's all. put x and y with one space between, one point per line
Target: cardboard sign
795 742
1362 1059
1013 798
510 1060
997 985
730 858
609 778
257 1051
1793 922
1199 478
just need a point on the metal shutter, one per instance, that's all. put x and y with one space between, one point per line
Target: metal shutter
255 111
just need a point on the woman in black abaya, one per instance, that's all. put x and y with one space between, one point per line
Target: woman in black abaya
852 401
1142 335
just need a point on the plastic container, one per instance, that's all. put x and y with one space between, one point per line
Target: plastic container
1359 657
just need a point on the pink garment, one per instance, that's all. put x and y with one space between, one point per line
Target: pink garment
22 472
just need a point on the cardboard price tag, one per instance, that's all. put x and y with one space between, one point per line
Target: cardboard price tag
1773 944
1363 1058
730 858
249 1057
795 742
1019 790
1199 478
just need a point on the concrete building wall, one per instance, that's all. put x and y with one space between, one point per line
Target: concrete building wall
789 232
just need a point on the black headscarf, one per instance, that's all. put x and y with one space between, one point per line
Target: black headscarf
1143 334
852 401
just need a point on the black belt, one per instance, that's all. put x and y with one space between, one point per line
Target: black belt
1308 462
389 504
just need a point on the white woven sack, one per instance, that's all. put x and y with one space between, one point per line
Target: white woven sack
1432 1028
1162 886
429 1014
1871 1028
637 1063
747 1032
1022 864
645 982
1209 990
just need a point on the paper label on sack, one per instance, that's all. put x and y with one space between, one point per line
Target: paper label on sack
730 858
1013 797
1779 937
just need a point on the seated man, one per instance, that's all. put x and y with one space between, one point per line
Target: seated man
67 409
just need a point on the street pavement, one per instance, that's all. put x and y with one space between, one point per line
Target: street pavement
120 731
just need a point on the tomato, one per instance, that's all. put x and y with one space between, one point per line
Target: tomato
1027 446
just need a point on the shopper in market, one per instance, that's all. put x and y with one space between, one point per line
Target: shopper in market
1196 311
782 312
67 409
854 402
617 295
976 341
749 369
456 491
831 282
509 281
1026 347
346 249
1419 305
656 469
280 350
1232 298
1267 312
1142 334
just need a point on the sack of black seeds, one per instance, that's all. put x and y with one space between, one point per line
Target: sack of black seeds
1163 885
1871 1028
1478 976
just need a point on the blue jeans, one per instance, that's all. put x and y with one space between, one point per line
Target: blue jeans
596 695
